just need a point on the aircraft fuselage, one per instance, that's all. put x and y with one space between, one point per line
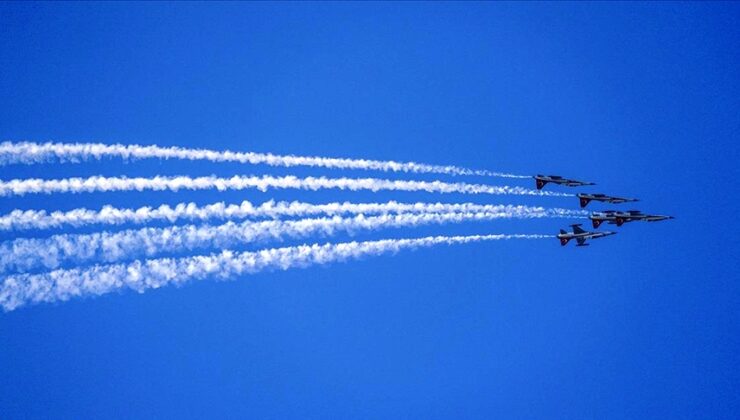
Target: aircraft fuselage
584 199
542 180
621 218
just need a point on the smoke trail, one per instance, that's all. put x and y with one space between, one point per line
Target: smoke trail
109 215
62 285
31 152
28 254
263 183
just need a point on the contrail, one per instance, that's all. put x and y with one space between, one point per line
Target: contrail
31 152
109 215
25 254
62 285
262 183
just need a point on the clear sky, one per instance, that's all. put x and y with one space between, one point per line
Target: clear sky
640 98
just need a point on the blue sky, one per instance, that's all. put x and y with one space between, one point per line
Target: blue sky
640 98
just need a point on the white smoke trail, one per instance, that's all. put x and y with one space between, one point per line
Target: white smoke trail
109 215
25 254
31 152
263 183
62 285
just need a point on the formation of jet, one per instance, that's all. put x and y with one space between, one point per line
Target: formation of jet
542 180
580 235
587 198
613 217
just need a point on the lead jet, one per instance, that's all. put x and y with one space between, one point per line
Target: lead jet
541 180
622 217
580 235
587 198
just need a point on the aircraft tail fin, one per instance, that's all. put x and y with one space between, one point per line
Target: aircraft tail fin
596 223
540 184
563 239
619 221
585 201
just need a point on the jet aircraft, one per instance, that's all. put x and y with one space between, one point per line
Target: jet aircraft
587 198
541 180
622 217
580 235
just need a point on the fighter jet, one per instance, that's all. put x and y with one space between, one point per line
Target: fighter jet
622 217
580 235
556 179
587 198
